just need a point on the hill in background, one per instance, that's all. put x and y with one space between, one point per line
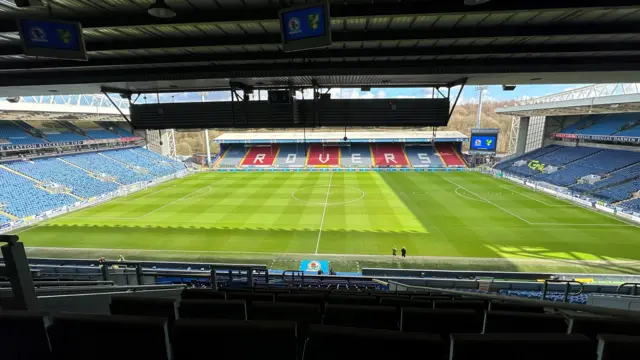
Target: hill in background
463 119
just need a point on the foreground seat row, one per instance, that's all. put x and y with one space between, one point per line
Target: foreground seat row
108 337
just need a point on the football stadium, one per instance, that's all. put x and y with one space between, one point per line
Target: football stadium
319 179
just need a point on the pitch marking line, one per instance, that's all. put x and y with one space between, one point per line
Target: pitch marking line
326 201
538 200
466 197
490 202
174 201
154 192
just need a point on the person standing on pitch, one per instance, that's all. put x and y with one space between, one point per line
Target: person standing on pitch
394 251
404 252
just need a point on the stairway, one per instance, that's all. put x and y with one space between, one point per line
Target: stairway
39 184
6 214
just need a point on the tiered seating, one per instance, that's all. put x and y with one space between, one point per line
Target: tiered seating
609 124
508 165
633 205
22 198
16 135
600 163
449 155
634 131
103 165
356 155
551 296
133 158
620 192
566 155
54 170
4 219
322 156
628 173
64 136
423 156
581 124
232 157
159 158
291 155
102 134
260 156
389 155
314 329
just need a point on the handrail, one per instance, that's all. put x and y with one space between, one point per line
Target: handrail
293 276
101 289
61 283
633 291
543 303
567 287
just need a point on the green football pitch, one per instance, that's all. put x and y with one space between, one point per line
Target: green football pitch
461 220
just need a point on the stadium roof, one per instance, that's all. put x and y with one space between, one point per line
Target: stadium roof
211 43
338 136
593 99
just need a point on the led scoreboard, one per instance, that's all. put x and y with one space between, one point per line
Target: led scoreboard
483 141
305 27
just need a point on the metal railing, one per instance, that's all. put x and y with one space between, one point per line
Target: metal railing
396 286
633 289
567 288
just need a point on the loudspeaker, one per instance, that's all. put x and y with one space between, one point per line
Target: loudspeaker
508 87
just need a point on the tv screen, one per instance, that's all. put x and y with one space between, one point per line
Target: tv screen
305 27
52 39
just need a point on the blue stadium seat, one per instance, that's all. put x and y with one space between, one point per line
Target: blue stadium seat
102 134
632 205
64 136
136 159
356 155
625 174
13 134
4 219
423 156
56 171
609 124
290 155
22 198
232 156
163 160
581 124
104 165
620 192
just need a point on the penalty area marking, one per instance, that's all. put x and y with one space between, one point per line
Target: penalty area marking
480 197
538 200
466 197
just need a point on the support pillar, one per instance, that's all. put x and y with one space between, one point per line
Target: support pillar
17 267
206 141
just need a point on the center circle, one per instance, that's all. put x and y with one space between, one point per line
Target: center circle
337 194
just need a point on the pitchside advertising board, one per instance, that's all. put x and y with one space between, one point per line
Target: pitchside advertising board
305 27
52 39
483 141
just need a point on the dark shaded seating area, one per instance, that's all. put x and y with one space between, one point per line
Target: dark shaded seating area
299 325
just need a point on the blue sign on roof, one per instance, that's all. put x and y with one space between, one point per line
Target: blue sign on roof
305 27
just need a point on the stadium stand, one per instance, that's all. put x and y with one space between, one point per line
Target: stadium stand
423 156
137 160
389 155
99 164
63 136
13 134
232 156
633 131
157 158
22 198
320 155
53 170
608 124
260 156
582 124
449 155
620 192
291 155
633 205
102 134
356 155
